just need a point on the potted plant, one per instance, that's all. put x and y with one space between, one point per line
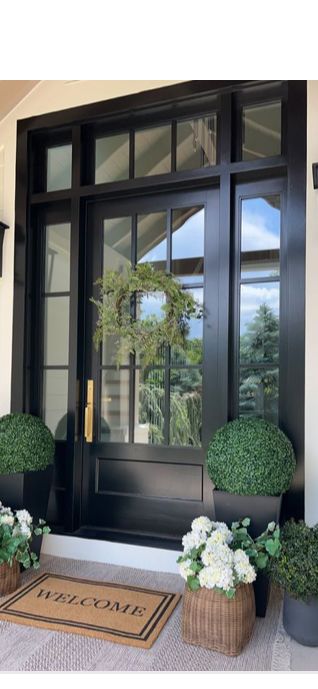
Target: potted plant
26 456
251 463
16 534
296 571
219 566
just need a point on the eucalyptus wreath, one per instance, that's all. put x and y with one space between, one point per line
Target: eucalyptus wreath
120 297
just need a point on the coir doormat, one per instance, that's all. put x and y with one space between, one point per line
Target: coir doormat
114 612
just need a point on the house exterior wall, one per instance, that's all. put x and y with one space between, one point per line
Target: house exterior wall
311 336
57 95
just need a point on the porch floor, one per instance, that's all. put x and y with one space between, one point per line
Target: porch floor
30 649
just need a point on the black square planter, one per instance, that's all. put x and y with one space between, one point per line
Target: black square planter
261 509
29 491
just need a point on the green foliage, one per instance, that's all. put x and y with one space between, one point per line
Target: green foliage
259 387
260 341
26 444
260 550
143 336
16 534
296 568
251 457
185 406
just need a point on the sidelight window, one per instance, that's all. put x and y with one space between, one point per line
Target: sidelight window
259 307
55 304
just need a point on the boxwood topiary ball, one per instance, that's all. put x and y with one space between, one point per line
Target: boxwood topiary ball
26 444
296 568
251 457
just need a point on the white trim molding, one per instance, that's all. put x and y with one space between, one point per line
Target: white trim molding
141 557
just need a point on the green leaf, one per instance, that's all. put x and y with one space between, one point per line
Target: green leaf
251 552
193 554
261 560
193 583
246 521
272 547
196 567
230 593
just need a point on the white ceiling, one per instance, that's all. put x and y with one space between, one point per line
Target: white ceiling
11 92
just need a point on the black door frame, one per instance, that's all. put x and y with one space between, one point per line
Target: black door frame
209 199
77 125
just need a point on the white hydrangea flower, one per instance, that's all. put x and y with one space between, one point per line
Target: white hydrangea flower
244 570
6 519
188 542
25 530
24 517
6 510
217 554
193 540
223 568
216 577
201 524
208 577
184 569
216 538
271 526
222 528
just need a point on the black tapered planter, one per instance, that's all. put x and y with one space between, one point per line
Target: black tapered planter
300 620
28 491
261 509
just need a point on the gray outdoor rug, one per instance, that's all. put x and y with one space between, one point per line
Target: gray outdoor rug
28 649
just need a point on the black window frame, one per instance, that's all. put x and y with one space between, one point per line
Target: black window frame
180 101
248 190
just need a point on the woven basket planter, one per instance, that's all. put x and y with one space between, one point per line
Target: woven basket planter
222 624
9 577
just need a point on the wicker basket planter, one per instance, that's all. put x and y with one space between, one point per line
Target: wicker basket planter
212 620
9 577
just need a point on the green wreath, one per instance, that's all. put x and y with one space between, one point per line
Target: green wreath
120 291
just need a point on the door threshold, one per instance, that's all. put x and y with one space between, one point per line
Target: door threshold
145 540
154 554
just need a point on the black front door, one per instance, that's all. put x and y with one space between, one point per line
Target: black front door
147 429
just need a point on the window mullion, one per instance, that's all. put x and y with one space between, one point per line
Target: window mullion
132 357
167 351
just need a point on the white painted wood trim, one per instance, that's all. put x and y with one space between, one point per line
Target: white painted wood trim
153 559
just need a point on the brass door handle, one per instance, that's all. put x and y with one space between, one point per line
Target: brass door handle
89 412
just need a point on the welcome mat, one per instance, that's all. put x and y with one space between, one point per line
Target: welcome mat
114 612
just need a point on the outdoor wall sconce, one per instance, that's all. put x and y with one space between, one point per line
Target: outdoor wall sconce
3 227
315 175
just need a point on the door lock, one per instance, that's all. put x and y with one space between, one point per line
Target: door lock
89 412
